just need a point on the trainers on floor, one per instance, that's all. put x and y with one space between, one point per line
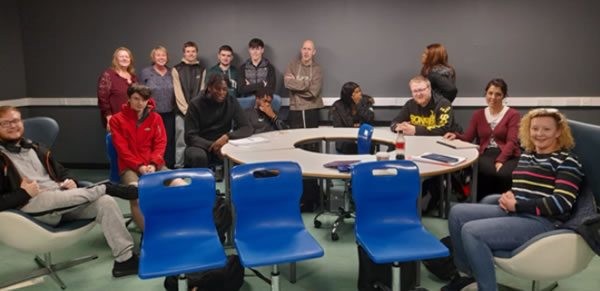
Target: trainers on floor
127 192
458 283
129 267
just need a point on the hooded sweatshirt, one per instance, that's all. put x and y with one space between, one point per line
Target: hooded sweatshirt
305 88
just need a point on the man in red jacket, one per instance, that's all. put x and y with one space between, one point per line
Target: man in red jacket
139 137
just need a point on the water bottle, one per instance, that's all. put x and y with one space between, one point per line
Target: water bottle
400 146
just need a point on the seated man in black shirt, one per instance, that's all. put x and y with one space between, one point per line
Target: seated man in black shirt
209 122
261 117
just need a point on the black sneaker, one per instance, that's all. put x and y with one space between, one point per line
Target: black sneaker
127 192
458 283
129 267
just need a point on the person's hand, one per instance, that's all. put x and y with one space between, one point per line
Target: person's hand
265 83
266 108
143 169
108 117
407 128
68 184
247 82
218 144
356 125
150 168
356 98
508 201
30 186
289 76
450 135
498 165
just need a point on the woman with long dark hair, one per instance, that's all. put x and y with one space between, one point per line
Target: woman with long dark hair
351 110
439 72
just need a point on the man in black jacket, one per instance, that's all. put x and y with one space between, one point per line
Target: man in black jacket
262 117
36 184
209 122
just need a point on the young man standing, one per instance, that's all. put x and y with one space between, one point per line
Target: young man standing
256 72
303 77
187 83
33 182
225 56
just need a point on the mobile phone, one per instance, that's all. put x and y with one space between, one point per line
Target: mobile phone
440 158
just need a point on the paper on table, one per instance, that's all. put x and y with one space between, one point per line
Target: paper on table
457 144
248 141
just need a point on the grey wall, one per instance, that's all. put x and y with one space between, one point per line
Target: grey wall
12 76
541 48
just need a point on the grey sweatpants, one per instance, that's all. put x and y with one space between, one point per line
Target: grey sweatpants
85 203
179 140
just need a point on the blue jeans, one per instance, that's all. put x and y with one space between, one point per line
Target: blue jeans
477 230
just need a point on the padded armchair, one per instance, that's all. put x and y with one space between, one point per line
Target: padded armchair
20 231
560 253
388 226
268 226
41 129
180 235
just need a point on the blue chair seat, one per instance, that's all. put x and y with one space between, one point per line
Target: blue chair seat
266 247
384 244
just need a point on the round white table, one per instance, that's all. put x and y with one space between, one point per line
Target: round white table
281 146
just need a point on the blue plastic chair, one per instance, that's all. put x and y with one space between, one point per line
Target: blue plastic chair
268 226
365 132
41 129
180 235
111 152
387 224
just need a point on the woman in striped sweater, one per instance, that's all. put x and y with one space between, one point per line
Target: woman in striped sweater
545 187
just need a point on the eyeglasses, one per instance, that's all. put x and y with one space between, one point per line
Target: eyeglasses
8 123
417 91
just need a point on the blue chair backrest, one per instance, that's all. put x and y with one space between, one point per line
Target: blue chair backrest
365 132
111 152
387 196
249 101
587 144
172 210
267 200
41 129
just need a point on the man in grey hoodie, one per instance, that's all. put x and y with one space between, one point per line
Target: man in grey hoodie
303 77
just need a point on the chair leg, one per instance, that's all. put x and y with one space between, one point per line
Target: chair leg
47 268
275 279
396 276
293 272
182 283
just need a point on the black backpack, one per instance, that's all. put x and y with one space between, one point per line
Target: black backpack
222 217
444 267
378 277
228 278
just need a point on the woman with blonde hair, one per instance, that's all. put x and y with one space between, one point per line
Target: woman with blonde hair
113 84
158 77
439 72
545 188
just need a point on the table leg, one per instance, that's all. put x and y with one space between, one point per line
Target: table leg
228 164
293 272
474 181
448 194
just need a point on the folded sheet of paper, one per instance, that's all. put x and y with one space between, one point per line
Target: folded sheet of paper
248 141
